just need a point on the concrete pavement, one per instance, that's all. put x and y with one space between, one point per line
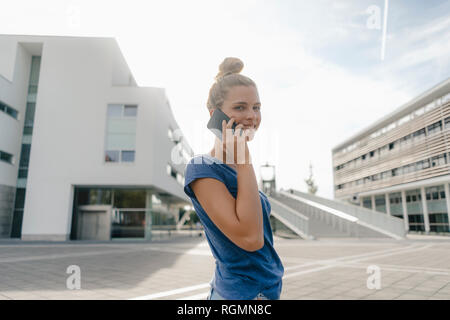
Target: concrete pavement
182 266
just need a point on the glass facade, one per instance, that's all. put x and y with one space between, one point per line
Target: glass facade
367 202
415 210
22 174
437 209
395 202
133 210
436 203
380 203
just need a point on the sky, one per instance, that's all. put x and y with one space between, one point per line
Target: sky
319 66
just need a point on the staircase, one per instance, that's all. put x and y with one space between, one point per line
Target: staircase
313 217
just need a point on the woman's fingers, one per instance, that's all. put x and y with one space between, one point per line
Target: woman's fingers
238 130
230 123
234 143
224 124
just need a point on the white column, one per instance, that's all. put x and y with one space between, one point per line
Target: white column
425 209
373 202
447 197
388 204
405 211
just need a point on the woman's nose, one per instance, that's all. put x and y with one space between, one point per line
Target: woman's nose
251 115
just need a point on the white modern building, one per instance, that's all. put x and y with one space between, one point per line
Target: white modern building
84 152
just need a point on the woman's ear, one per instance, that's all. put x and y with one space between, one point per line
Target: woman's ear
211 112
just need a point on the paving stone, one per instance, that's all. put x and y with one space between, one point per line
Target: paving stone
127 270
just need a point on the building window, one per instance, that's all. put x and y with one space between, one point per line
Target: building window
408 168
435 193
395 198
439 160
130 111
380 203
8 110
447 123
434 128
115 110
367 202
171 171
112 156
121 133
394 172
439 222
383 150
179 178
419 134
6 157
423 164
127 156
416 222
413 196
386 174
405 141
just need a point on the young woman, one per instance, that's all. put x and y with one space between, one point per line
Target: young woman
224 192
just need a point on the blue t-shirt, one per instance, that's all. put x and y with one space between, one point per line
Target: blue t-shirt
239 274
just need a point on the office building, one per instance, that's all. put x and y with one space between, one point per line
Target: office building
85 153
400 165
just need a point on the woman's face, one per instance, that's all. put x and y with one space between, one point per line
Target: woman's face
242 103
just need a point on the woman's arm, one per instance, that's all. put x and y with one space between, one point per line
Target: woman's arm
239 219
248 203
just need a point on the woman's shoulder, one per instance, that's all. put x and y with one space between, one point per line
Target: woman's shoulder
201 164
201 159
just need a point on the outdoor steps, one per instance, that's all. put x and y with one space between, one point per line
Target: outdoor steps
321 229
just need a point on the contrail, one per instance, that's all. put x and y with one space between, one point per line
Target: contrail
383 43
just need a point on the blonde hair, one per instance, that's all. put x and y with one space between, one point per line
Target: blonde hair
229 76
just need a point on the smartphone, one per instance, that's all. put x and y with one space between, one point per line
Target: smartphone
215 123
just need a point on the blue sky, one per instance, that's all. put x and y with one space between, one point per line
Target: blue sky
317 65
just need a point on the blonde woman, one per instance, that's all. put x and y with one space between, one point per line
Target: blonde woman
223 189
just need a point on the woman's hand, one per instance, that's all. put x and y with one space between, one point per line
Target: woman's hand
234 145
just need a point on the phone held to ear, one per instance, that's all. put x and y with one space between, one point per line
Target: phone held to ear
215 123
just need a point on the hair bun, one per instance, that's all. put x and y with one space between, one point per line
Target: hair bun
229 66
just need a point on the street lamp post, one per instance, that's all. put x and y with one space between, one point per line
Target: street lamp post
268 178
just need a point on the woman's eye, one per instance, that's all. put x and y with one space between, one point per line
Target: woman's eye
258 108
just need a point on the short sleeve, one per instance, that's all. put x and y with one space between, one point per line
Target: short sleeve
267 202
197 168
